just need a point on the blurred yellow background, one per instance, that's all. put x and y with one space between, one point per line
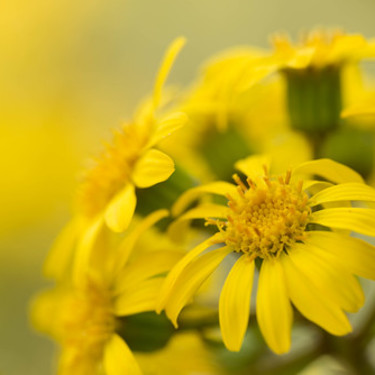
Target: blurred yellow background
73 70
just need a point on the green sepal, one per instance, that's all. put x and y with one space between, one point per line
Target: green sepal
314 98
145 332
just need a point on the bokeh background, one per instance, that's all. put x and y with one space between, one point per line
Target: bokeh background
70 71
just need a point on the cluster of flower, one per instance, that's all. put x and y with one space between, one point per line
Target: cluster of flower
157 215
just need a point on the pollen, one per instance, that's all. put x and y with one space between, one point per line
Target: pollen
112 170
267 218
87 322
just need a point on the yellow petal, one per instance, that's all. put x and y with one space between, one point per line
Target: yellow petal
165 68
273 309
121 209
88 242
126 247
118 358
167 126
146 266
234 303
344 192
254 166
330 170
153 167
356 255
61 253
190 279
140 299
310 299
179 268
361 109
361 220
219 188
339 285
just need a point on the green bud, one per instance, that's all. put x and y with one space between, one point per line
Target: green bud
145 332
314 98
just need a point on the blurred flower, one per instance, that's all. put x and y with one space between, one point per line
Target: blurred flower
131 160
321 48
232 107
297 228
107 194
114 281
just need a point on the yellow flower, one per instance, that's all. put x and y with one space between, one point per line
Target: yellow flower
82 314
298 228
321 48
224 105
131 160
107 194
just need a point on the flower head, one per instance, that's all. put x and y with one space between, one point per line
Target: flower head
297 226
322 48
107 195
82 313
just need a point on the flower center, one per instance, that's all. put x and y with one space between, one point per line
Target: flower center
267 218
87 323
112 170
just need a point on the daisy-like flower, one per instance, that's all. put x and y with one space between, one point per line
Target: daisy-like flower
321 74
320 48
83 316
107 195
131 160
298 228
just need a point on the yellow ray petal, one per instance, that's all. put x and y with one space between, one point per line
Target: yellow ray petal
127 245
169 58
140 299
361 109
118 359
167 126
344 192
330 170
273 309
219 188
254 166
61 253
234 303
121 209
311 300
338 284
85 247
146 266
175 273
356 255
153 167
191 278
361 220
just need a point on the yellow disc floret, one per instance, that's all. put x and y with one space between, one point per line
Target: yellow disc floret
112 170
87 322
266 218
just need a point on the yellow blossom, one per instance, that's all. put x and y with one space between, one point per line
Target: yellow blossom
297 227
321 48
107 195
82 313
